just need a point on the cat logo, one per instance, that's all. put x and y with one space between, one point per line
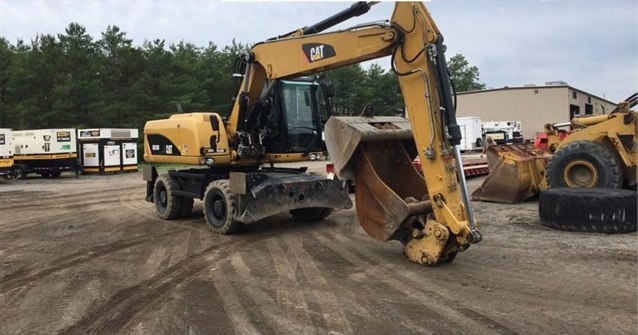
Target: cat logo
317 51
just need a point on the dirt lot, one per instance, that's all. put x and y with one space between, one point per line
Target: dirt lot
89 256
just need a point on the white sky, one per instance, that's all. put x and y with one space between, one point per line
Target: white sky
591 45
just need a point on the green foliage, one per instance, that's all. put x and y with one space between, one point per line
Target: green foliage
464 76
72 80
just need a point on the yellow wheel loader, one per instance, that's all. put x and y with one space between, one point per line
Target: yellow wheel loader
278 118
600 152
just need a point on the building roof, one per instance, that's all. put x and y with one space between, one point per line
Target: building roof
535 87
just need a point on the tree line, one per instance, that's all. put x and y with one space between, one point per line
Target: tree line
73 81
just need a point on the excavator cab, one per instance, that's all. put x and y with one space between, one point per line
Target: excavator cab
294 123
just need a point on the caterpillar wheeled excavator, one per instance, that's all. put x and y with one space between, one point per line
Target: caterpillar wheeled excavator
599 152
276 117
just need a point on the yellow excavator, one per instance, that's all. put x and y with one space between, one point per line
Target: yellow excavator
282 113
599 152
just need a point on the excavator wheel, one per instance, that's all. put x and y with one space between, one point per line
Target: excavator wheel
167 205
219 207
584 164
310 214
187 207
19 172
598 210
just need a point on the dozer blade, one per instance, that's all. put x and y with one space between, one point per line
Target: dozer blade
517 173
375 153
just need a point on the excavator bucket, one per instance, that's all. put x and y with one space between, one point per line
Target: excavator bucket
376 153
517 173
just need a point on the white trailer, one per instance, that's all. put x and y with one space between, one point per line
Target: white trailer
6 152
503 131
48 152
471 133
104 150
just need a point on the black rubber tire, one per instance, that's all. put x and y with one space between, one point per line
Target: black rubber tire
310 214
219 208
187 207
45 174
167 205
599 166
598 210
18 172
55 173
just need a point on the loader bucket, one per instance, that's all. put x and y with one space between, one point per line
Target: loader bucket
377 153
517 173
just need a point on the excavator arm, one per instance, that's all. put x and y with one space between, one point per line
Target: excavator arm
429 213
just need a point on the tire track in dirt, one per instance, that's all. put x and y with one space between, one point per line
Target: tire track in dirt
231 303
433 301
517 276
333 314
289 302
128 307
135 201
25 276
53 199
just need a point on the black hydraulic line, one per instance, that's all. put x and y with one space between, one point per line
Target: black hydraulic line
358 8
445 93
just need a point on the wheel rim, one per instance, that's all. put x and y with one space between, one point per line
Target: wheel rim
581 173
218 209
163 198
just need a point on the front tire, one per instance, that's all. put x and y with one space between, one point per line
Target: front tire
584 164
167 205
219 208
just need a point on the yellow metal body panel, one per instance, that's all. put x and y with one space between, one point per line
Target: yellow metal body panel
6 162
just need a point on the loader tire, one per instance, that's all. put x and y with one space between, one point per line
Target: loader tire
219 208
310 214
584 164
187 207
167 205
598 210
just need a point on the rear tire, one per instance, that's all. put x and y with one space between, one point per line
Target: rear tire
55 173
584 164
219 208
310 214
598 210
167 205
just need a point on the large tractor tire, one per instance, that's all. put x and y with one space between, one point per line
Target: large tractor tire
598 210
584 164
167 205
219 208
310 214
